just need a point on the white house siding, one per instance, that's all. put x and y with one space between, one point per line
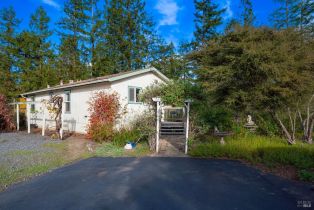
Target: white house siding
122 88
77 119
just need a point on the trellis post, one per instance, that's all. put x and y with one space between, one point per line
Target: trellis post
157 100
17 117
44 122
187 127
28 117
62 119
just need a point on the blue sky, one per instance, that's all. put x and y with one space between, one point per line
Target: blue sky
174 18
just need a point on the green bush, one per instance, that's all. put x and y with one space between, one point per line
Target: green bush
215 116
123 136
102 133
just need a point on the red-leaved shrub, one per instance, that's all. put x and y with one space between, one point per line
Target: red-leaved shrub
104 108
6 122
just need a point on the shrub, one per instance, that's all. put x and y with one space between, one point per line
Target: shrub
104 110
145 125
102 132
6 122
124 135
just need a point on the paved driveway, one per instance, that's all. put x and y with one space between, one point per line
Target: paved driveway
156 183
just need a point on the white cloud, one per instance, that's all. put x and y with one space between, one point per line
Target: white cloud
169 10
52 3
229 12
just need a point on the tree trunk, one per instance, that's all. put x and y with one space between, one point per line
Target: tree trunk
289 138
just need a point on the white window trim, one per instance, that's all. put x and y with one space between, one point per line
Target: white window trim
135 88
66 101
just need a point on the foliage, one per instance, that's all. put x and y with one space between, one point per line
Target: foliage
245 71
215 117
145 126
247 13
258 149
124 135
171 93
104 110
207 17
6 122
101 132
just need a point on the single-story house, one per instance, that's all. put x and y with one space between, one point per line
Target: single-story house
77 94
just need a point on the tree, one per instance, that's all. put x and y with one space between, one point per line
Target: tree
246 72
8 25
207 18
74 38
283 16
35 54
303 18
128 36
248 16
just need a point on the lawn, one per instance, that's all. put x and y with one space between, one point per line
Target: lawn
111 150
271 152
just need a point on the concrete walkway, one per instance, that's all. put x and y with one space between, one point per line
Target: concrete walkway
172 146
155 184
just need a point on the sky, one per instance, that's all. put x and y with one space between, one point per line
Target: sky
174 18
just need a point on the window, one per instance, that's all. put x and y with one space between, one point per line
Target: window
33 108
134 93
67 101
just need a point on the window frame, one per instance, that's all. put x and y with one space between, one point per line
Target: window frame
66 101
135 89
33 107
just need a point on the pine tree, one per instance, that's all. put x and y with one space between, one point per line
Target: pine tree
39 25
248 13
303 12
207 18
128 33
8 25
283 16
74 38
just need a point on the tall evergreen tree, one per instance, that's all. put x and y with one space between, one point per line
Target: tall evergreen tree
74 37
8 25
303 11
128 33
248 16
207 18
283 16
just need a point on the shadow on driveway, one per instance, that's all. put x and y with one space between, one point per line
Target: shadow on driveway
156 183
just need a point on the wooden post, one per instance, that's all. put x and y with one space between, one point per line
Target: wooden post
157 127
157 100
17 117
44 122
187 126
28 110
62 120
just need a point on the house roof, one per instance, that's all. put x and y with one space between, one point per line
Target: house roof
107 78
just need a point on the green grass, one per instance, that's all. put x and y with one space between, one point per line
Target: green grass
258 149
112 150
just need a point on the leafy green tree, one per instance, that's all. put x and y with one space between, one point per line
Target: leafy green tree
8 52
207 18
248 16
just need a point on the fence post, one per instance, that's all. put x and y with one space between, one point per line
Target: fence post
17 117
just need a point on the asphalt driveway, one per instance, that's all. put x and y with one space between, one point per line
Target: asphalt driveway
156 183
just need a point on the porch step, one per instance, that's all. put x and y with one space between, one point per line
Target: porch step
172 128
